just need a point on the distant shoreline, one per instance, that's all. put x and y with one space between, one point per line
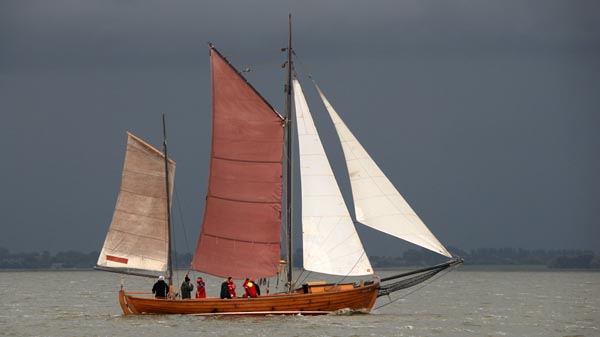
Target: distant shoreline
467 268
499 268
480 259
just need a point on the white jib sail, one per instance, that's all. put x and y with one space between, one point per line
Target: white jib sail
377 202
331 244
138 234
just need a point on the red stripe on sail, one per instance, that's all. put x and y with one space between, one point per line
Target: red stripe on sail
117 259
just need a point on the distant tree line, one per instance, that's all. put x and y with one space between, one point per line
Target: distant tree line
558 258
65 260
583 259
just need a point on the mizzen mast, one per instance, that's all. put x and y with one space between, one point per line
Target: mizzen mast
169 255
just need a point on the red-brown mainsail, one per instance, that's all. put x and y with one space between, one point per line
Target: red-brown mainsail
243 203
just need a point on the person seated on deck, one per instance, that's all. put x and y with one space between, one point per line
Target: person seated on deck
225 289
251 288
160 288
186 289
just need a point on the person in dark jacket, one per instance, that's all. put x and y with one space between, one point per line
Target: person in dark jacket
186 288
256 284
160 288
225 289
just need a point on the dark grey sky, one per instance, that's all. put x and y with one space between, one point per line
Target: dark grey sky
485 114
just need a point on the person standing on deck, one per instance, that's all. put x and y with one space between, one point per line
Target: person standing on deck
256 285
186 288
225 289
231 287
200 288
245 286
160 288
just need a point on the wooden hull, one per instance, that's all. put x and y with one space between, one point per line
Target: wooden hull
322 301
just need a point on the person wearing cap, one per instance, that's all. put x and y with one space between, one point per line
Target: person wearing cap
186 288
160 288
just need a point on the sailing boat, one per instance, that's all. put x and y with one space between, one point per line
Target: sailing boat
244 206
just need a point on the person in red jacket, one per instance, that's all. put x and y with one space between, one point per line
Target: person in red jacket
231 287
250 288
200 288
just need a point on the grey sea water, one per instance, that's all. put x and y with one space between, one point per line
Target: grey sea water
464 302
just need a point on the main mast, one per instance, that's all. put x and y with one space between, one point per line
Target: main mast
169 257
289 138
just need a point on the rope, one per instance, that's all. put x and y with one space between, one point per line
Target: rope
355 264
305 277
185 237
439 273
187 246
386 290
268 59
304 69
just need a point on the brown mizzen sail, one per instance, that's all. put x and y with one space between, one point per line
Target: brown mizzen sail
137 239
243 204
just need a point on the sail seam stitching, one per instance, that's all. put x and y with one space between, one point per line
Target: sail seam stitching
144 173
244 201
141 215
247 161
143 195
138 235
238 240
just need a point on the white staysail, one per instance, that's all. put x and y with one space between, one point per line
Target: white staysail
138 234
378 203
331 244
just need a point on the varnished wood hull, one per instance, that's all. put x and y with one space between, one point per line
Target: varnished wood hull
330 300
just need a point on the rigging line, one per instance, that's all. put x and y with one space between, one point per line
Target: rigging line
304 69
425 283
268 58
174 252
180 211
305 277
354 266
187 246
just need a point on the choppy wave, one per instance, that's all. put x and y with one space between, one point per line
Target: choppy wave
463 303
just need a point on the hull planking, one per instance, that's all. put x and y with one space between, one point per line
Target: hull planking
319 300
